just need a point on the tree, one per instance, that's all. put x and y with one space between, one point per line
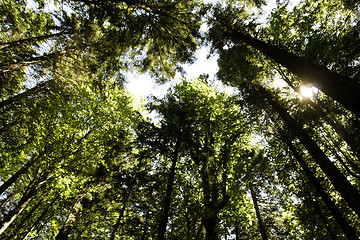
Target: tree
82 160
337 86
211 138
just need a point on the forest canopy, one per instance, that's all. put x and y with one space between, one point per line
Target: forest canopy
276 158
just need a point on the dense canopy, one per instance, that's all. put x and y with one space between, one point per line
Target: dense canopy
275 154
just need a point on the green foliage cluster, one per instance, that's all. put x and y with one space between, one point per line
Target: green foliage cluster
81 159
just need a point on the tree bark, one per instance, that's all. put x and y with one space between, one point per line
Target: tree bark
118 221
348 230
339 129
28 92
40 218
14 213
342 89
210 222
25 219
30 193
323 218
261 224
16 175
31 61
339 181
145 228
5 45
237 230
68 225
166 207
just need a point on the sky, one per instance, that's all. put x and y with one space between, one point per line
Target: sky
141 85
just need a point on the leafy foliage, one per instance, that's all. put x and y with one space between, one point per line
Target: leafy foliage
81 159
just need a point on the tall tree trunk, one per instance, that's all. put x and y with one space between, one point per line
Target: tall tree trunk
40 218
68 225
261 224
24 201
237 231
166 207
323 218
349 231
28 92
25 219
341 184
13 214
339 129
189 227
30 61
211 222
16 175
4 45
212 189
342 89
145 228
118 221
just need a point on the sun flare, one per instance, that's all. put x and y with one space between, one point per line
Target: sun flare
308 91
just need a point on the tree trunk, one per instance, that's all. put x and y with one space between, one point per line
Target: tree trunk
118 221
341 184
40 218
31 61
15 176
25 219
145 228
210 222
28 92
237 231
339 129
24 201
349 231
68 225
13 214
262 226
4 45
166 208
342 89
323 218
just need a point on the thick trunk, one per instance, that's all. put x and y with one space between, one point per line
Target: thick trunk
4 45
188 223
211 222
213 189
344 225
31 61
261 224
339 129
166 208
13 214
68 225
323 219
25 219
342 89
237 231
40 218
341 184
28 92
145 228
15 177
118 221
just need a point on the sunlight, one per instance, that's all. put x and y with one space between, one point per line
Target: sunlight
308 91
